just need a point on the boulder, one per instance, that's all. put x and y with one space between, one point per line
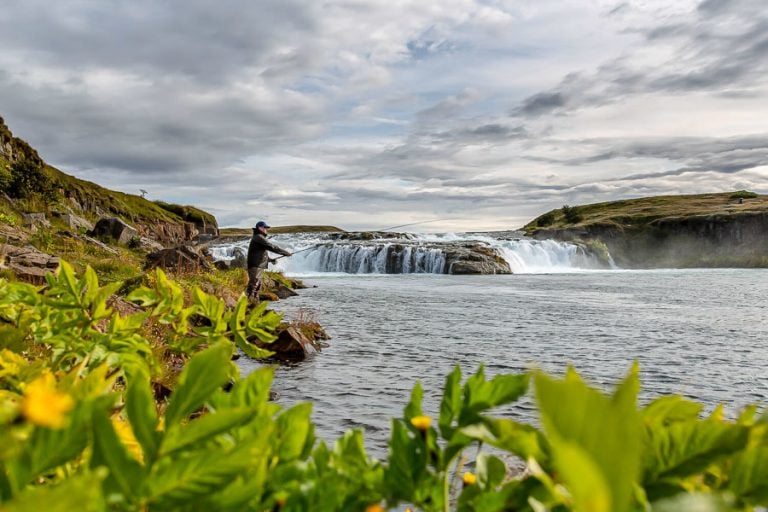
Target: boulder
183 258
475 258
150 245
89 240
74 221
28 263
32 220
291 345
116 229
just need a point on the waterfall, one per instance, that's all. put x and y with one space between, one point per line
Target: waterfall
372 258
417 254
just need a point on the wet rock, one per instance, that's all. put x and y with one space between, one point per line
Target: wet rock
28 263
115 229
291 345
471 259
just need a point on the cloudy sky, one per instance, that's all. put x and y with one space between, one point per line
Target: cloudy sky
369 113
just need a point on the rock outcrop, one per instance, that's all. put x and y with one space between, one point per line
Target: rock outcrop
27 263
722 240
115 229
475 259
183 258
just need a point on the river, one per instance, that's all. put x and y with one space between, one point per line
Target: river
700 333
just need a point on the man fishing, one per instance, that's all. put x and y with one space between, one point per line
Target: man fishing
258 259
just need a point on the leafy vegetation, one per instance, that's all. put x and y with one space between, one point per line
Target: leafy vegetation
571 214
27 179
82 425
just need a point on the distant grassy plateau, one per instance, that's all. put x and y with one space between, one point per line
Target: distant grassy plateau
703 230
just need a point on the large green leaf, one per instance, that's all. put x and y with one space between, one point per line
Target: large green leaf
142 414
686 448
296 432
481 395
517 438
126 476
749 475
670 409
182 482
81 493
595 439
206 372
202 430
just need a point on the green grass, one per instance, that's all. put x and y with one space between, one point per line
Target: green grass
639 212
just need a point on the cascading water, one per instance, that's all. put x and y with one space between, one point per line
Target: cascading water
415 254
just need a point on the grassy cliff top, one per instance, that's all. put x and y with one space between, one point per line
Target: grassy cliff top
276 230
638 212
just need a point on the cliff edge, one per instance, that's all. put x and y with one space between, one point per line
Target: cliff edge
704 230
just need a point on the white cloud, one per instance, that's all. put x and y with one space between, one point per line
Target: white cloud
371 113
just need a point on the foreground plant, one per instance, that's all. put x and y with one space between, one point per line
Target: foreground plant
81 427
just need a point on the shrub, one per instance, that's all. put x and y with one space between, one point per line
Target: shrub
27 179
571 214
545 220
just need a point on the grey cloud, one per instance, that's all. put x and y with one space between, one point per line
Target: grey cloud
542 103
721 49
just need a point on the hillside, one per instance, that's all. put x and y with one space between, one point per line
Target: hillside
702 230
31 185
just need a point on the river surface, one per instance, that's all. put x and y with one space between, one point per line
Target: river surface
700 333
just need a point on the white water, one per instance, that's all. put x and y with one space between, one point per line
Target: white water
416 254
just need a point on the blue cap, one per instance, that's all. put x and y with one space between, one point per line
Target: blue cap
261 224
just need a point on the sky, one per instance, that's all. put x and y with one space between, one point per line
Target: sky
365 114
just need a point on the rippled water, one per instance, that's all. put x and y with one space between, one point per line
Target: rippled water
701 333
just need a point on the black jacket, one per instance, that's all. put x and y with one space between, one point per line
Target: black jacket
257 251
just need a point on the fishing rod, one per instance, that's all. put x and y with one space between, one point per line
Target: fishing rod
412 224
297 252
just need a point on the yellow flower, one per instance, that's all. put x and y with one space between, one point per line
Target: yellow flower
421 422
469 478
43 404
374 508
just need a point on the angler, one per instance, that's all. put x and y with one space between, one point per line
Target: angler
258 259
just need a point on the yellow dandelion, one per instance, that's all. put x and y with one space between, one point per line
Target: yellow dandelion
374 508
421 422
469 478
44 405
